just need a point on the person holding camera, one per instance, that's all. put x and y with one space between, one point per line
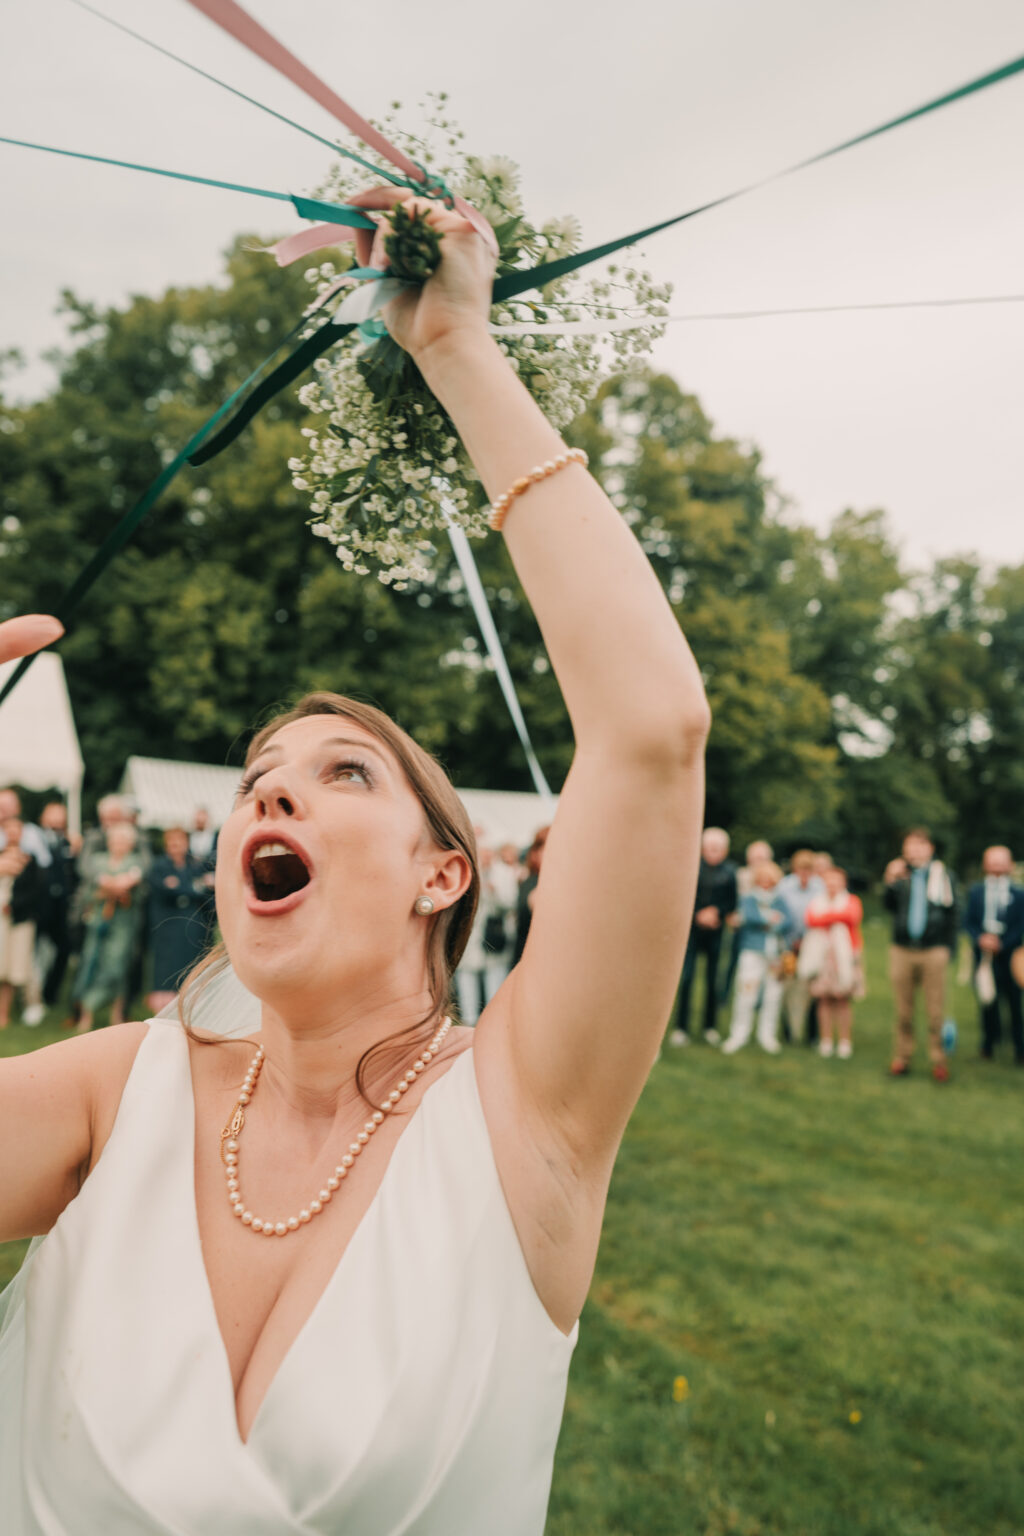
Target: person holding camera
921 895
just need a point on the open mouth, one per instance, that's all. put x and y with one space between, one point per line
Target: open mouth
277 871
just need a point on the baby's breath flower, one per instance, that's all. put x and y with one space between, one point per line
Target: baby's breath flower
385 476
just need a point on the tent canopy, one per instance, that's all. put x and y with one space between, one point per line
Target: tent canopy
38 741
169 794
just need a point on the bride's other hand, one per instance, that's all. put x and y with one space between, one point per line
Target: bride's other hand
457 298
30 633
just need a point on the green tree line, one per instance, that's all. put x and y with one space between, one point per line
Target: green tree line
851 696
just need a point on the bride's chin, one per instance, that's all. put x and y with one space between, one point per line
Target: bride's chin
274 969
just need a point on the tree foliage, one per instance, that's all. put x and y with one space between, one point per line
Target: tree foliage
850 696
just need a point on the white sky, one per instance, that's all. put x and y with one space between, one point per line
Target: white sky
621 115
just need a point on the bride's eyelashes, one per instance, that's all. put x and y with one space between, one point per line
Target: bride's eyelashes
334 770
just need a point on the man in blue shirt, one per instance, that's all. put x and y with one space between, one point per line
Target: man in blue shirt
994 921
920 894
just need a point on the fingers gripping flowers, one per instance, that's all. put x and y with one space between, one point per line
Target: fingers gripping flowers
385 460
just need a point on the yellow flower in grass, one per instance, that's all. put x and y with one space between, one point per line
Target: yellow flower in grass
856 1416
680 1389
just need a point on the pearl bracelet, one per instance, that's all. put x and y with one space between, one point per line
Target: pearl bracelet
499 508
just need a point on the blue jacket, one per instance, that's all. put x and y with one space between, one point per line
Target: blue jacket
754 931
1013 918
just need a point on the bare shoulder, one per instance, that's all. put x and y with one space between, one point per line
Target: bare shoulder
57 1108
97 1064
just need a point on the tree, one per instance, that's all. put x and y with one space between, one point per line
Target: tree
710 525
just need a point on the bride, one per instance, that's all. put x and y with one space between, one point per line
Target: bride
394 1358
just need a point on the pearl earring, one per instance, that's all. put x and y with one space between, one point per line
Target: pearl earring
424 905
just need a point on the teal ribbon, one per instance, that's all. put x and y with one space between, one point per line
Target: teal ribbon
334 213
327 335
548 272
301 359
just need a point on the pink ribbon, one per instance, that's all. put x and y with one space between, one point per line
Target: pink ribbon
317 238
234 20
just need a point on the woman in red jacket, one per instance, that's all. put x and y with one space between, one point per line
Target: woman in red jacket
832 960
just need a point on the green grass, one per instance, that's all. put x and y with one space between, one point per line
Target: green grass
802 1240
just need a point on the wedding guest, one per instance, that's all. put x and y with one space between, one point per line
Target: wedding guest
176 927
53 931
921 895
110 810
202 840
756 853
716 900
994 922
21 881
113 904
145 854
32 841
798 889
832 959
765 930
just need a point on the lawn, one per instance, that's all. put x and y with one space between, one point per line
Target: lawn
809 1302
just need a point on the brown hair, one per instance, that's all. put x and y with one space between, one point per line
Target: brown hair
450 828
921 832
802 859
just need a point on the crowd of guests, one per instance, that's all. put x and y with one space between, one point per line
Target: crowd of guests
130 921
782 954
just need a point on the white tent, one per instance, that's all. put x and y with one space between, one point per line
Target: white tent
38 741
169 793
507 815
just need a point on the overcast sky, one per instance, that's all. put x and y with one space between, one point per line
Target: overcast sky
621 114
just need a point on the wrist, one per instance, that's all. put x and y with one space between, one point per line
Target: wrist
453 350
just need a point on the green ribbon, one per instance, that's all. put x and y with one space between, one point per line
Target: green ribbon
285 373
334 213
537 277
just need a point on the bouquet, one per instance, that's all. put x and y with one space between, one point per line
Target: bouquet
385 469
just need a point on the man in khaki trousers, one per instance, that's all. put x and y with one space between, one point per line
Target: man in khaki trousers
920 894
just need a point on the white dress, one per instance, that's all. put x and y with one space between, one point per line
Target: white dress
423 1395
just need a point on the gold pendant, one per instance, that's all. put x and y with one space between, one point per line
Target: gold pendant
233 1126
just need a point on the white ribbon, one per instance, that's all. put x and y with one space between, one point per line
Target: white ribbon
474 587
365 300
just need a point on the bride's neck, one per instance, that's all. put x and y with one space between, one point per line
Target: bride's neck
311 1058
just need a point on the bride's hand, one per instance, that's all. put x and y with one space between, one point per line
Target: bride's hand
458 295
20 637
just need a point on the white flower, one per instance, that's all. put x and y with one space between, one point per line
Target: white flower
361 477
563 235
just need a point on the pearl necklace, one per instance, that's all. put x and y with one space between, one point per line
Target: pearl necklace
230 1134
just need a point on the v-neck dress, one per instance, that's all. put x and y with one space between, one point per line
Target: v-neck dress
422 1397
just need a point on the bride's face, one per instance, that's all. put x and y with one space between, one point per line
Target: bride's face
320 864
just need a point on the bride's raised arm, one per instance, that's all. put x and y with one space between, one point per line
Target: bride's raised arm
586 1008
